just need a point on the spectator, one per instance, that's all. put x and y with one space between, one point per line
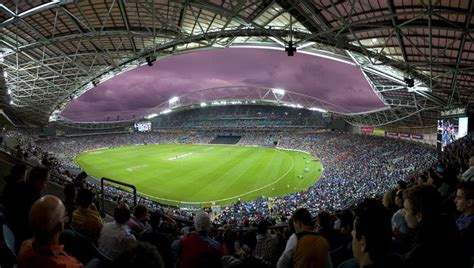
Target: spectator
324 228
17 207
138 222
115 236
69 201
16 179
48 216
267 246
197 249
465 205
389 201
245 258
399 224
372 236
468 175
80 180
437 242
158 239
139 254
306 248
86 219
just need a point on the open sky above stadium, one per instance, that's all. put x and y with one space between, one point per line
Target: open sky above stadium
341 86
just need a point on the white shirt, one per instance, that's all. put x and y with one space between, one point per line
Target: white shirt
113 239
286 259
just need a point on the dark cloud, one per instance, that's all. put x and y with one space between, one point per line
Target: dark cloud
137 91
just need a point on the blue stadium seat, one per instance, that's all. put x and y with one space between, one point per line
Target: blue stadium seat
9 238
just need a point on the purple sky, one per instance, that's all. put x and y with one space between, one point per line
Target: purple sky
138 90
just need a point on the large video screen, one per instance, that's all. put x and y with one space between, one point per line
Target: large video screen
451 129
142 126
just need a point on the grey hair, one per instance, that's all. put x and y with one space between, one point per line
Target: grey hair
202 222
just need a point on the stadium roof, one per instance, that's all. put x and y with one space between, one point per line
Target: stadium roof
53 50
235 75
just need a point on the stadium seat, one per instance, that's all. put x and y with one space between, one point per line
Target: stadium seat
9 238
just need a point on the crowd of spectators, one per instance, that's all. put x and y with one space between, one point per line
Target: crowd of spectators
414 225
355 167
241 116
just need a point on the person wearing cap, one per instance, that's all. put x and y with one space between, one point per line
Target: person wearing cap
197 249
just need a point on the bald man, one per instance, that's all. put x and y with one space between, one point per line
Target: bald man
47 217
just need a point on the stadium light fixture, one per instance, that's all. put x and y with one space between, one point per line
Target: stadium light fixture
317 109
203 104
9 91
150 116
5 74
173 100
419 88
278 91
292 105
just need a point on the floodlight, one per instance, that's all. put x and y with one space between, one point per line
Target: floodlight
317 109
5 74
278 91
173 100
203 104
9 91
419 88
12 102
151 116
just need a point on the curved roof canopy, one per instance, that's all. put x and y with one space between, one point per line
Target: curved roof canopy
51 51
228 74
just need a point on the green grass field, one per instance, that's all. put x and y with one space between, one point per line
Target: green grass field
179 174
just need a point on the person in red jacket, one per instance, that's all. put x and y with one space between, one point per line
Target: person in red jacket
197 249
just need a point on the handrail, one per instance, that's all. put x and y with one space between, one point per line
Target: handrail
120 183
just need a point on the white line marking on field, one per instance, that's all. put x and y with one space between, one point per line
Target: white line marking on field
179 156
137 167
